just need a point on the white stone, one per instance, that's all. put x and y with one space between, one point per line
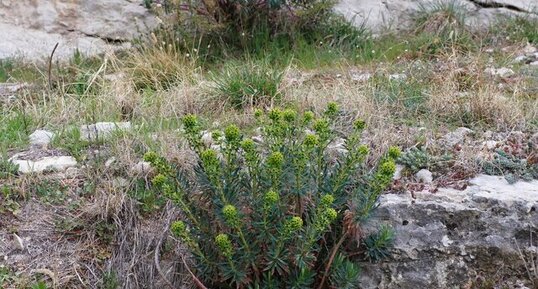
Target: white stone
520 59
72 172
424 176
501 72
400 76
56 163
18 242
455 137
398 172
110 162
361 77
490 144
207 138
529 49
102 130
534 63
141 168
41 137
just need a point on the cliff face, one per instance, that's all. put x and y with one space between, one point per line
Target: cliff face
397 14
30 28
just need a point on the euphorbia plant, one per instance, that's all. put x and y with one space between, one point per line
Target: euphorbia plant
276 210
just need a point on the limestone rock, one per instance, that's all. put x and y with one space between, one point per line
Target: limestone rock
41 137
54 163
456 137
31 28
141 168
447 238
424 176
378 15
501 72
102 130
398 172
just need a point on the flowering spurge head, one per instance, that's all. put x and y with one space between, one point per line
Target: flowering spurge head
332 109
363 150
151 157
321 126
359 125
216 135
275 161
292 225
190 122
249 146
258 113
326 217
327 200
209 158
308 117
394 152
271 198
178 228
387 168
232 134
275 114
289 115
224 244
384 174
231 216
311 140
159 180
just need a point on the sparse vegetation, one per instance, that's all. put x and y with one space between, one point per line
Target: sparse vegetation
409 87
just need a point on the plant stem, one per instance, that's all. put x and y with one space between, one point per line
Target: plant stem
331 259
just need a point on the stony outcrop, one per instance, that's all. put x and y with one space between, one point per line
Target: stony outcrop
398 14
452 239
30 28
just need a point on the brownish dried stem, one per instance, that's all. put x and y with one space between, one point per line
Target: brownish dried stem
50 65
194 278
331 259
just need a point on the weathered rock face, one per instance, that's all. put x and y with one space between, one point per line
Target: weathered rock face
397 14
31 28
450 238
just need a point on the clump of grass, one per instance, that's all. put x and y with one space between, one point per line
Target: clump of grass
518 28
254 84
442 27
407 93
161 62
14 129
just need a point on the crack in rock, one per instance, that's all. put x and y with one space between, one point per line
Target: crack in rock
493 5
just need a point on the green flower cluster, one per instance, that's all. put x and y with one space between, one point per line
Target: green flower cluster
332 109
231 216
232 134
159 163
190 122
275 161
271 198
292 225
326 201
224 244
325 218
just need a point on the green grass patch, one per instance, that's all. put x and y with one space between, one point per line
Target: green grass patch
15 126
251 84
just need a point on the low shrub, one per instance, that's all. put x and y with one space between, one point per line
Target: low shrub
277 210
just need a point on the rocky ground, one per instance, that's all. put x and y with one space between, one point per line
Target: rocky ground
75 211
